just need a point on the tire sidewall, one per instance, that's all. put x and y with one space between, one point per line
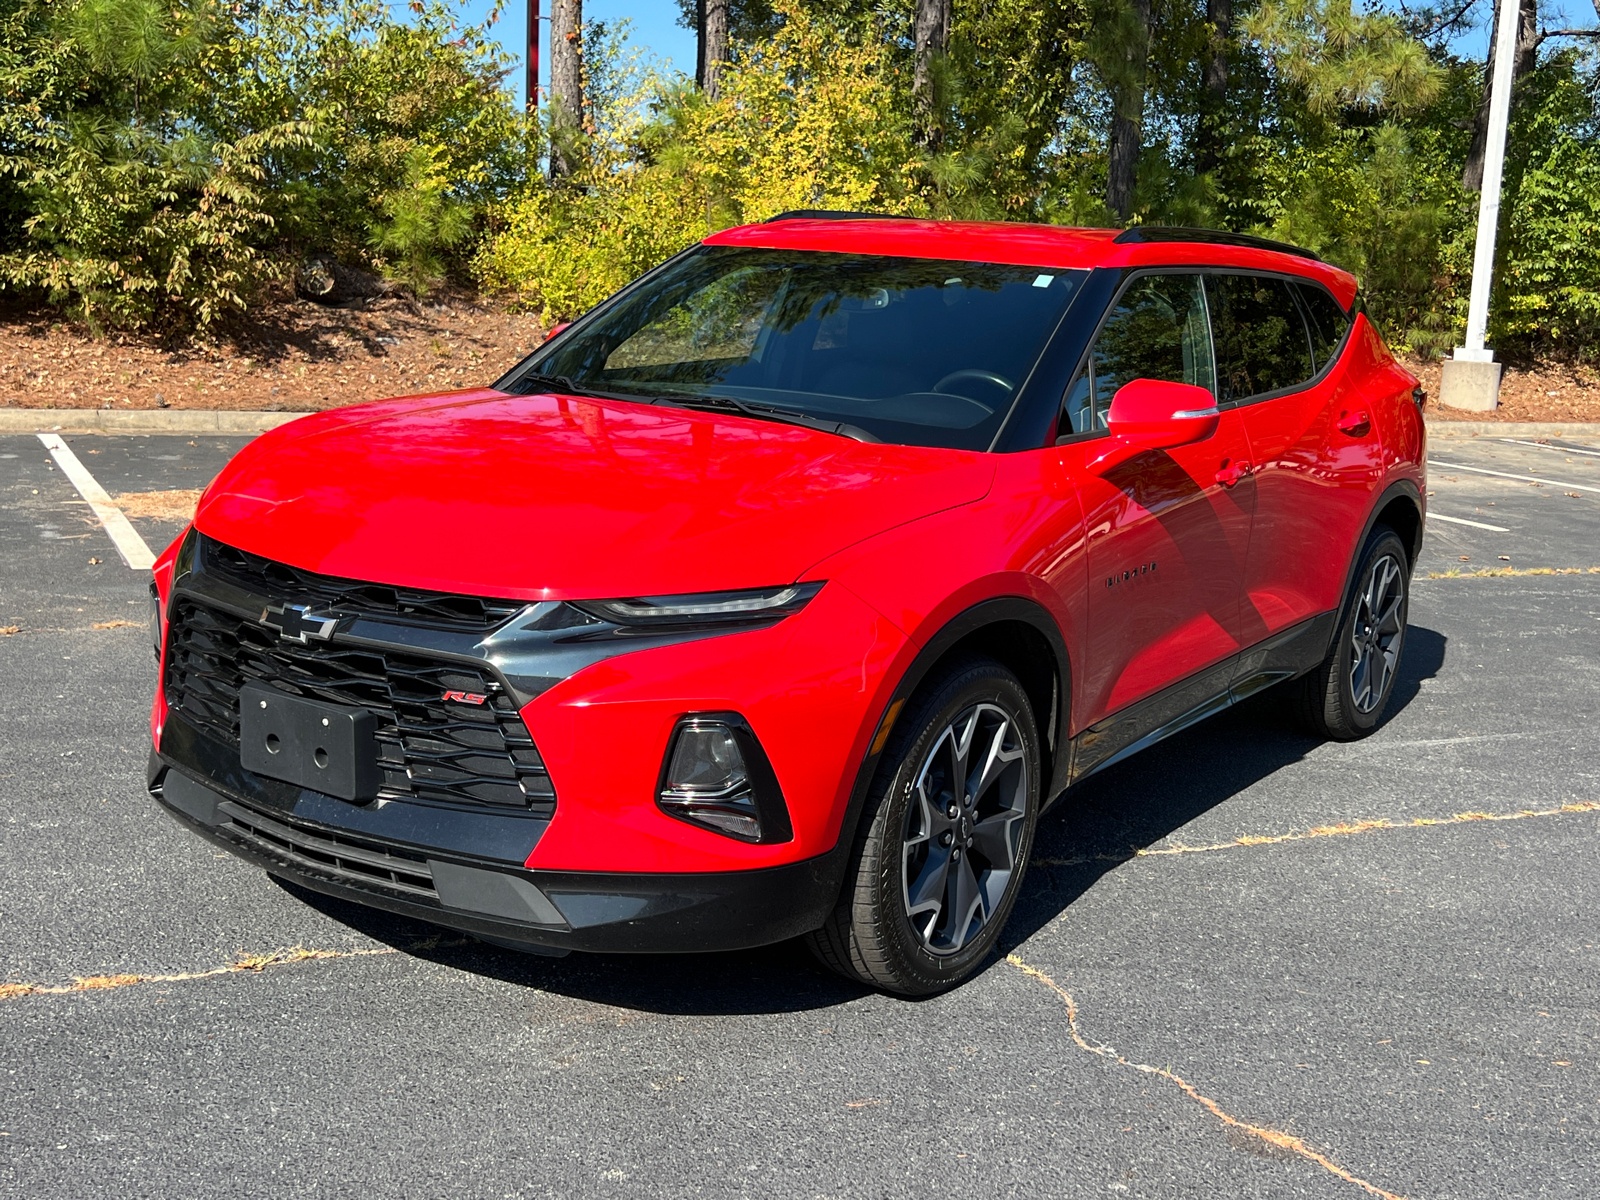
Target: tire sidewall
1383 541
923 971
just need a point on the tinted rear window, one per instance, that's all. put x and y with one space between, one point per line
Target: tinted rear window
1260 336
1328 322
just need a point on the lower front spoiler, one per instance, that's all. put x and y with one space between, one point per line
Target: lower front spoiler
551 912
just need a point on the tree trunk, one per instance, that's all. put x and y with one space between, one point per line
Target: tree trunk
713 45
566 85
932 29
1214 100
1527 56
1127 120
700 43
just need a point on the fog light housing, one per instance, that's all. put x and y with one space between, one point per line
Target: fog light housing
716 775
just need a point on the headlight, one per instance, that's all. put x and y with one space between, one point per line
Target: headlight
717 776
749 606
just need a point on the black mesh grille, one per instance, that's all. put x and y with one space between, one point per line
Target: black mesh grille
349 858
264 577
428 748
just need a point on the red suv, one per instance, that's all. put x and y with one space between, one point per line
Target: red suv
778 595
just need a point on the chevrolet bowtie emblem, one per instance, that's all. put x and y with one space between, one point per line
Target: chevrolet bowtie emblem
297 623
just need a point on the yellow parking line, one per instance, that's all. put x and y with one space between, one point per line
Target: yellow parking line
1342 829
244 963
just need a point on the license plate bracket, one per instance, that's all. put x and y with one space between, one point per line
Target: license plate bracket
330 748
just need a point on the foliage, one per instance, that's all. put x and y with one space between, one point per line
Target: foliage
161 159
808 120
419 221
129 195
391 103
1547 291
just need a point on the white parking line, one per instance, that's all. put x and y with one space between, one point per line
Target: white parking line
1434 516
1547 446
1582 487
115 522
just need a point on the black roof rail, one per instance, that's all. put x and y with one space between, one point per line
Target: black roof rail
829 214
1213 237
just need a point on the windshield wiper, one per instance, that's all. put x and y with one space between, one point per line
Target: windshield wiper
762 412
565 385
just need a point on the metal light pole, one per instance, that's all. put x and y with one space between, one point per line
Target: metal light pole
1472 377
533 57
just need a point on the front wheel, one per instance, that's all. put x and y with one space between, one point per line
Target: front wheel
1344 697
945 837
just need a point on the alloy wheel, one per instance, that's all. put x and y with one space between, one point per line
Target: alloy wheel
963 828
1376 633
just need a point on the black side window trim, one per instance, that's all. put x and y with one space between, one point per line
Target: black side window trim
1130 274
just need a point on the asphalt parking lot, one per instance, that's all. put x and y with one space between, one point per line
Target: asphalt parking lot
1246 964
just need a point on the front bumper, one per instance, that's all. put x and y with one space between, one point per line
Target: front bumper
539 910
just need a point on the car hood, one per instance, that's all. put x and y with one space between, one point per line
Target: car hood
559 497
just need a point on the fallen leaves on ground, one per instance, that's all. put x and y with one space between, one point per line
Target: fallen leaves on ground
175 505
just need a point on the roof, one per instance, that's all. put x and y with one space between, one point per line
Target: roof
1060 246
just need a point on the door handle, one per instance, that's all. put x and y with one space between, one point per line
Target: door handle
1354 423
1230 473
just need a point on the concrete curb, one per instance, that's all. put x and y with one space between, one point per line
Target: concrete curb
1514 428
166 420
153 420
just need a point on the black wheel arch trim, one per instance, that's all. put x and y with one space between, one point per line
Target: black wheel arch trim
986 613
1400 489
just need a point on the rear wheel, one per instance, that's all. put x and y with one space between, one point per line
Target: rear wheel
1344 698
945 837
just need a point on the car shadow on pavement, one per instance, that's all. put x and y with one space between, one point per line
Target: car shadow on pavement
1109 818
772 979
1093 829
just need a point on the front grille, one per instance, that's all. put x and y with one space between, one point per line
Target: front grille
441 610
428 748
348 858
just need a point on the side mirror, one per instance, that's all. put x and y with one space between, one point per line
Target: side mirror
1156 415
555 330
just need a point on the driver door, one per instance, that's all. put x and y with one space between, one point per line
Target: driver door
1168 530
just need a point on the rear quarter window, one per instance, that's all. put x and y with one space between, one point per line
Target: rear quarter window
1327 322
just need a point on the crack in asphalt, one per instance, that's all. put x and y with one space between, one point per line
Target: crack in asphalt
244 964
1273 1137
1342 829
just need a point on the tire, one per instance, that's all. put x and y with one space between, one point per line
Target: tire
926 937
1343 699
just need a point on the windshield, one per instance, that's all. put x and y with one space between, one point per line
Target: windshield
914 351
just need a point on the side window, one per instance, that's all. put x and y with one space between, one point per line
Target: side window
1262 342
1157 331
1328 322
